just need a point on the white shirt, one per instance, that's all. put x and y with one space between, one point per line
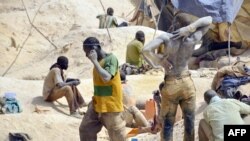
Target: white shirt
221 112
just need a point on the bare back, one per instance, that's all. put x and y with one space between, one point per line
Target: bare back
178 47
179 57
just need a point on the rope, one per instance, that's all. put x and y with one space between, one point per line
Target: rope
22 46
105 20
36 27
157 22
229 36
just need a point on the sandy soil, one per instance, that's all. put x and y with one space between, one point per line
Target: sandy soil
66 24
56 120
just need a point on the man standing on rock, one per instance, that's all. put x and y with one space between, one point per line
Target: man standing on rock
106 107
179 87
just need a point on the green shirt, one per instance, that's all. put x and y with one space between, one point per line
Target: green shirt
107 21
110 64
133 54
108 95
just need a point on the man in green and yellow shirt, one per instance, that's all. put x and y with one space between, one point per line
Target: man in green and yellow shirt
106 107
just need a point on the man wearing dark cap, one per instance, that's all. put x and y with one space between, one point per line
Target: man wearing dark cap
106 107
56 86
134 48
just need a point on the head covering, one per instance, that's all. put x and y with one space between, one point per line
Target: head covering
62 63
62 60
90 42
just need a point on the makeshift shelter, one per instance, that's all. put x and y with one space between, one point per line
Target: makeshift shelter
220 11
235 13
145 13
240 28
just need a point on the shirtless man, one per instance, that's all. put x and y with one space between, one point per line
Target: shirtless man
179 87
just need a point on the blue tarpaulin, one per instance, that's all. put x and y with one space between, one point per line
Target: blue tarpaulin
220 10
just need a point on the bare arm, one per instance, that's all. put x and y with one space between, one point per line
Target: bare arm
202 26
104 74
58 79
201 22
148 51
71 83
195 30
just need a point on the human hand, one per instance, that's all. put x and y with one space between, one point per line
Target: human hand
182 32
75 83
92 55
78 81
